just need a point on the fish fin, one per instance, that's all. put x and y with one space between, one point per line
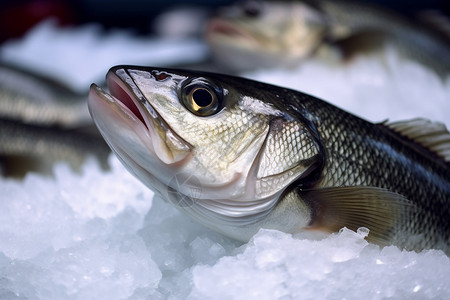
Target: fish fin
433 136
380 210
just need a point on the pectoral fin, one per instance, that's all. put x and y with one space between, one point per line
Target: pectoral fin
378 209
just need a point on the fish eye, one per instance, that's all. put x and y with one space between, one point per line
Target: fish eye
251 9
201 97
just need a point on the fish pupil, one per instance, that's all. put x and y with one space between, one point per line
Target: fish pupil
202 97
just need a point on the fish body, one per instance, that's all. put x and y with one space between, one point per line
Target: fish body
33 99
42 122
26 147
262 34
239 155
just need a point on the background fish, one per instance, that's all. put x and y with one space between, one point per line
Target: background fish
34 99
25 148
258 34
238 155
43 122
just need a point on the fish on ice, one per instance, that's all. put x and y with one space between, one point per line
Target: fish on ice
238 155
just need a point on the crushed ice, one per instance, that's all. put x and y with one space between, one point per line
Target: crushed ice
102 235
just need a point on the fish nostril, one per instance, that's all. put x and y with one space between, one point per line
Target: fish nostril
160 76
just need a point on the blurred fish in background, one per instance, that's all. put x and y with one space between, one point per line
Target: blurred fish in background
267 34
41 122
34 99
51 50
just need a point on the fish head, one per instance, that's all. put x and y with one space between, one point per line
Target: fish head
265 33
217 146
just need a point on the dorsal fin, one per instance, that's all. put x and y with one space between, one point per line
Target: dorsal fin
433 136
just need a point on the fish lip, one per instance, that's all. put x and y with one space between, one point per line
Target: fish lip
132 104
224 28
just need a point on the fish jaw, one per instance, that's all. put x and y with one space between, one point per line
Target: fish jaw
222 31
135 132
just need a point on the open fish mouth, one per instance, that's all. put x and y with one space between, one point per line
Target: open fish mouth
125 116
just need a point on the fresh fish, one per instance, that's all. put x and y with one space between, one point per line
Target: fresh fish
33 99
42 122
25 148
258 34
239 155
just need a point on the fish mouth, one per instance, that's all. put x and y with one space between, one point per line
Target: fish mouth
225 29
125 112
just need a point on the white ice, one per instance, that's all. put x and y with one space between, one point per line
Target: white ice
102 235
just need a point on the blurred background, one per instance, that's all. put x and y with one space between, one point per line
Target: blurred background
18 16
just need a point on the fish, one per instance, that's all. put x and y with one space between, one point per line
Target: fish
268 34
28 148
239 155
31 98
43 122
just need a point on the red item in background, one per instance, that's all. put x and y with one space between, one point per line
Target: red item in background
17 17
